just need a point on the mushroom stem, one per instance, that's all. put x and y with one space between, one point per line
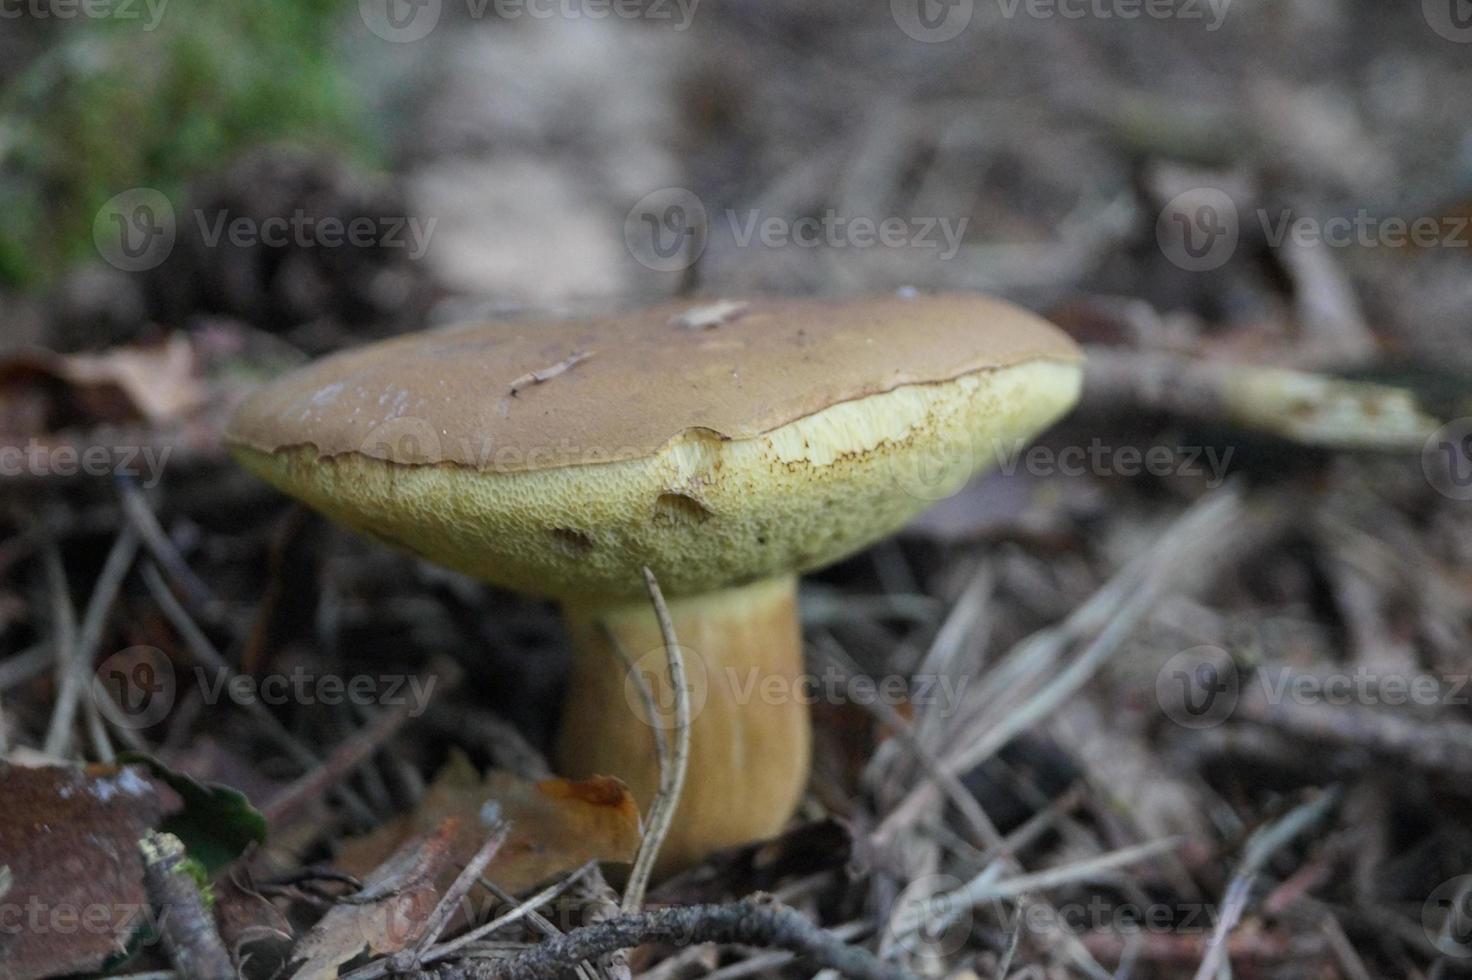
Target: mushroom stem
749 729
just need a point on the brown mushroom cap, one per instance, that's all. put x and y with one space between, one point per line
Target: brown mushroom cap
560 457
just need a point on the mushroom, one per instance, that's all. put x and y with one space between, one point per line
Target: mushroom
728 454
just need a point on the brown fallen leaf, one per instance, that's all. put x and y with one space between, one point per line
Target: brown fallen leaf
69 838
158 383
391 911
557 825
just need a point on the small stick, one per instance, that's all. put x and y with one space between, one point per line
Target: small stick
189 933
646 696
140 515
1260 847
353 752
78 655
760 921
547 374
671 776
206 655
443 912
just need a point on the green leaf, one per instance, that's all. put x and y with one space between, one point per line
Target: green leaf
217 823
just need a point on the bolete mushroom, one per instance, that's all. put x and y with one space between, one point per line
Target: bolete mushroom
727 448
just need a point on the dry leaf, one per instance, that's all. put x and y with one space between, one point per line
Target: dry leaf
556 824
158 384
390 912
69 837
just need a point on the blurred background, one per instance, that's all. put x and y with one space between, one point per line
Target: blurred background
511 154
1256 215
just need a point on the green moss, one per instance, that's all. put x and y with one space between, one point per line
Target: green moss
110 106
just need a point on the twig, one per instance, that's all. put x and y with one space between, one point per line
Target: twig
1014 938
410 959
646 696
354 751
751 922
671 776
1309 409
189 934
548 373
140 515
1260 848
206 655
1114 611
984 833
74 659
770 959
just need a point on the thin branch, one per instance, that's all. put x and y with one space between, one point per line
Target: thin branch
449 902
1262 846
671 776
189 933
752 922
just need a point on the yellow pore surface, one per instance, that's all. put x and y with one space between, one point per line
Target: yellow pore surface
702 512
